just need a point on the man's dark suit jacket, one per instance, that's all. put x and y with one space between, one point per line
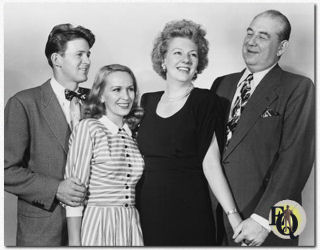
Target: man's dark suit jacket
269 159
36 136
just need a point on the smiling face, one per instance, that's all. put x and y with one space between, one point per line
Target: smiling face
181 59
118 96
262 47
74 63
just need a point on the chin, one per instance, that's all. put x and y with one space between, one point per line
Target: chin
83 79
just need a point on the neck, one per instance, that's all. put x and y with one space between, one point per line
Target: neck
174 89
116 120
71 85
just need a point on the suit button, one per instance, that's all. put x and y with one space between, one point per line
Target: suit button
128 175
127 197
127 187
125 146
126 205
129 165
127 155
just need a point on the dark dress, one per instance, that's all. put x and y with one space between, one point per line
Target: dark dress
173 194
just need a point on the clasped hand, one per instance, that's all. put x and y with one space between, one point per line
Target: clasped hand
250 231
71 192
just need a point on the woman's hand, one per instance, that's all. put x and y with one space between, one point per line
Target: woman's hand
234 220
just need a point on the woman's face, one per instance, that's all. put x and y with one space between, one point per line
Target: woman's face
118 96
181 59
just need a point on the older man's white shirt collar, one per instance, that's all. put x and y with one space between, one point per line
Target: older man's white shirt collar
114 129
257 76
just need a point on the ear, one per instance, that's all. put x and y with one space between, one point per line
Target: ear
56 60
282 47
102 100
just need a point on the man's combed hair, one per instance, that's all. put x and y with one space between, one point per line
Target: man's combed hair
185 29
286 30
63 33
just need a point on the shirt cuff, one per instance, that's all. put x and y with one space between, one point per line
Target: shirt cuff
74 211
262 221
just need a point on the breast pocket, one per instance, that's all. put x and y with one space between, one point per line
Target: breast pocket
267 132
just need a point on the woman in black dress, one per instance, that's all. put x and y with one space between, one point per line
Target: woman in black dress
178 141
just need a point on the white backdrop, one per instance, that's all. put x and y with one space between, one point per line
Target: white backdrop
125 33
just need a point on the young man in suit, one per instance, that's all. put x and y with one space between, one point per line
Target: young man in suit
270 130
37 125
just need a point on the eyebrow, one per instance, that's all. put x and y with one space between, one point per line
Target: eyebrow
195 50
260 32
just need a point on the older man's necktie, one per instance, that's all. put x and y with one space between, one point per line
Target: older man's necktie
238 107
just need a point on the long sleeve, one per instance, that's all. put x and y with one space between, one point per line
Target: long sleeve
296 153
79 159
35 188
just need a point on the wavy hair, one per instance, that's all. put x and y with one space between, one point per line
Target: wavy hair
181 28
63 33
95 108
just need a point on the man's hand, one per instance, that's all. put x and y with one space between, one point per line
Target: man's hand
250 232
71 192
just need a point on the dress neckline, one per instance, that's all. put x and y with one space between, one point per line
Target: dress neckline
176 113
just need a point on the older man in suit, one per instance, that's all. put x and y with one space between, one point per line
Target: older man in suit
37 125
270 130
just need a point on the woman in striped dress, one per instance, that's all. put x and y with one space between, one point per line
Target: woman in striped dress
105 157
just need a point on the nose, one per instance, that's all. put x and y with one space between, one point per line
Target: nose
252 40
86 59
187 59
125 95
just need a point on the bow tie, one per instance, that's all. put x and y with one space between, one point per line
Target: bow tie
81 94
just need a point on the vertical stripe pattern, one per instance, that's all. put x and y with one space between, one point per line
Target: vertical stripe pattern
110 165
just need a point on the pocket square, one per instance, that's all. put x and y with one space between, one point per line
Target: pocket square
269 112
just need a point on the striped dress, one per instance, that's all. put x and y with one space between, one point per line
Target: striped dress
108 161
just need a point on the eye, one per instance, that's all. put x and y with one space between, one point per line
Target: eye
177 53
263 37
195 55
116 89
249 33
131 89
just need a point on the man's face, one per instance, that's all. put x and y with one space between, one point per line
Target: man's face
75 62
261 45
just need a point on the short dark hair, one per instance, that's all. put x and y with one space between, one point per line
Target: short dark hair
286 29
94 107
181 28
63 33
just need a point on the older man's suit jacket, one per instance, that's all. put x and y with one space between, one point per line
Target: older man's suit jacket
36 136
271 152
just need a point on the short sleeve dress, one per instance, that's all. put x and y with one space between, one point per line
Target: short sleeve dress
173 194
106 158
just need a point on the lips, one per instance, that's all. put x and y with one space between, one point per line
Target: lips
85 70
185 69
124 105
252 51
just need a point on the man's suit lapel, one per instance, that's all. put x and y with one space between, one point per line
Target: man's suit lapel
263 96
52 112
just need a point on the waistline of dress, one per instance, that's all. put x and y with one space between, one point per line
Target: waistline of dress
190 164
108 204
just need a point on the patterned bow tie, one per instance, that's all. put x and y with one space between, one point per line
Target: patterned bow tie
81 94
